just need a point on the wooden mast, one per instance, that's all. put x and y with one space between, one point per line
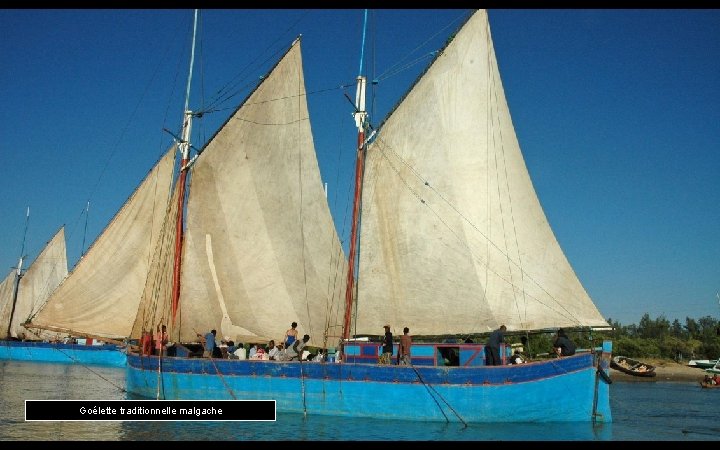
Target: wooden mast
18 275
185 152
360 121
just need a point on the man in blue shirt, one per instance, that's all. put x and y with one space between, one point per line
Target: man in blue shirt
209 343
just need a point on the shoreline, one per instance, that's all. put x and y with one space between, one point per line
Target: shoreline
666 370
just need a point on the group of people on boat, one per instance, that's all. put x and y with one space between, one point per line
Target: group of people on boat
291 348
403 355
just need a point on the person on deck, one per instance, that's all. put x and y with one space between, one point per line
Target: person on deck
209 343
339 353
492 347
404 348
161 341
291 335
240 352
563 345
146 342
296 350
272 351
387 349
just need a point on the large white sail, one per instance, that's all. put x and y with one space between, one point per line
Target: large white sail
101 295
260 249
453 237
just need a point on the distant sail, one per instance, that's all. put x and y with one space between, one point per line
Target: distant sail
101 295
453 237
38 282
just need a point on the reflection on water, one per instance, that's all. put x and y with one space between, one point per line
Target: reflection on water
20 381
641 411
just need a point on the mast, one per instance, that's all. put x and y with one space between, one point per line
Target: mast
18 274
185 152
360 118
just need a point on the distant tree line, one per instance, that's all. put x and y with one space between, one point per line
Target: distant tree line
659 338
651 338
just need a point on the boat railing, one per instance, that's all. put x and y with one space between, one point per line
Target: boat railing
426 354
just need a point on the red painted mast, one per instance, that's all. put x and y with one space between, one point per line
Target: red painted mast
184 148
360 121
360 116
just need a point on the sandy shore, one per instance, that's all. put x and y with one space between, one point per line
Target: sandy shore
666 369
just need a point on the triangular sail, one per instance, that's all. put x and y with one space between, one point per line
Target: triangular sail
101 296
7 290
41 279
453 237
36 285
260 249
154 309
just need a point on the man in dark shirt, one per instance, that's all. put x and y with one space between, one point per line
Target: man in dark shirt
563 345
387 349
492 347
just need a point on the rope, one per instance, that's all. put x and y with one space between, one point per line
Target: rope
429 388
75 360
302 385
222 378
159 376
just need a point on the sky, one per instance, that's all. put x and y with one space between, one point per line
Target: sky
617 113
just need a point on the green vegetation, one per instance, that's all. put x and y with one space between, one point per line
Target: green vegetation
695 339
658 338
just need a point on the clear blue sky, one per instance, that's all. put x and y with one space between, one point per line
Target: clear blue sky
617 113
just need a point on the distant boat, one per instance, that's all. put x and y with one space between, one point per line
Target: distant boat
454 241
632 366
23 294
710 382
703 363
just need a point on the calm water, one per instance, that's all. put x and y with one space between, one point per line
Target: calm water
641 411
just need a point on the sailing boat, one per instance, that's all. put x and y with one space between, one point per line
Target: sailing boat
99 299
22 294
453 239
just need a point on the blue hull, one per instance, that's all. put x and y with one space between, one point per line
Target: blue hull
99 355
567 389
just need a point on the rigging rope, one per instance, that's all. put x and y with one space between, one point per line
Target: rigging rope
383 148
429 388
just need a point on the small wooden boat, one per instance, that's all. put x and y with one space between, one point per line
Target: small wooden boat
707 383
632 366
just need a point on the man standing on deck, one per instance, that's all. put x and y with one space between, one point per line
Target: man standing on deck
209 343
161 341
404 348
387 349
492 347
